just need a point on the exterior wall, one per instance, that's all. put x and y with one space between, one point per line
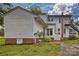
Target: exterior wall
67 31
57 25
18 24
37 27
20 27
50 26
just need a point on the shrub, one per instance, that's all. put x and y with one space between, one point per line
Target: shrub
47 39
1 32
72 37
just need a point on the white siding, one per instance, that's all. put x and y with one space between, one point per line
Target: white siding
18 24
37 27
58 25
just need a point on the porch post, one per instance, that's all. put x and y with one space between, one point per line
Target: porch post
62 28
43 32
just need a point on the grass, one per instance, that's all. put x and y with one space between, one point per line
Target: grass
40 49
2 40
75 41
43 49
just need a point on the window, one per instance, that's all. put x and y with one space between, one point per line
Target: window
58 30
50 31
64 31
59 20
50 19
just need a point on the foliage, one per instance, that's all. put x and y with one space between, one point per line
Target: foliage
1 32
36 10
40 49
38 34
1 20
47 39
72 41
2 40
72 37
4 7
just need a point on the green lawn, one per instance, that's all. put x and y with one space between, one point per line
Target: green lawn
2 40
40 49
76 41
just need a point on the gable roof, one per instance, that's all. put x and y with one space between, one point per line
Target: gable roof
41 20
18 7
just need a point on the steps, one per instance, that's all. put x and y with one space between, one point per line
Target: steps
74 26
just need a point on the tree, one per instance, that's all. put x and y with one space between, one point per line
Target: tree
38 34
4 7
36 10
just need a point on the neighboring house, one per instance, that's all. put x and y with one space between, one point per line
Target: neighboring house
54 26
20 25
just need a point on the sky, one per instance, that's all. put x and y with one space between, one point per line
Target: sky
54 8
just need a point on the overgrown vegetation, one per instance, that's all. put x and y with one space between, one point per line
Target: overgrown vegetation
2 40
4 7
39 49
72 37
48 39
36 10
72 41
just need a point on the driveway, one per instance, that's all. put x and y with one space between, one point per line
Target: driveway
69 50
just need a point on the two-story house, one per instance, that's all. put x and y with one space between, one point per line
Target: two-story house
54 26
20 25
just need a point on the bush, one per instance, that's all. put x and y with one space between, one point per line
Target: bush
1 32
47 39
72 37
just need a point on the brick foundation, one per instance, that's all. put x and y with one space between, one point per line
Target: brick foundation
10 41
28 40
25 40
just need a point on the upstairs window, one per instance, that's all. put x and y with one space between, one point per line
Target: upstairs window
50 19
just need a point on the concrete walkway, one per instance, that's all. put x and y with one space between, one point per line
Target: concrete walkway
69 50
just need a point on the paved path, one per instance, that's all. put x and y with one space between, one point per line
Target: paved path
69 50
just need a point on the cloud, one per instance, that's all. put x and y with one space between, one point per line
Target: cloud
58 8
44 6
